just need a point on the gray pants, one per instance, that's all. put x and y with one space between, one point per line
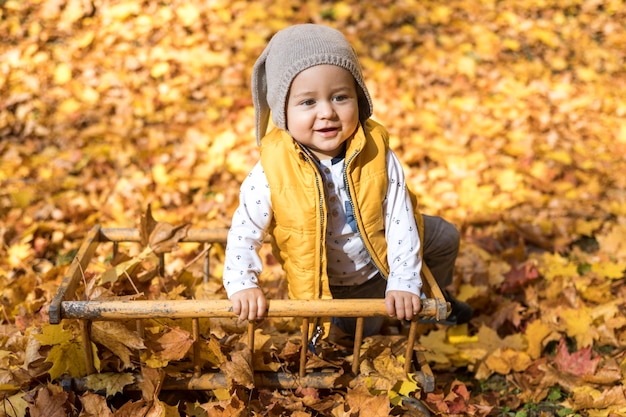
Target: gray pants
440 249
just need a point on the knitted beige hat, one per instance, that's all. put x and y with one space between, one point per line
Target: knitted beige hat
291 51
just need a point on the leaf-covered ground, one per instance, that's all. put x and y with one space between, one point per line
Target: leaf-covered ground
509 117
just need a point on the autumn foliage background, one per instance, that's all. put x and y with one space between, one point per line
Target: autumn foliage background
508 116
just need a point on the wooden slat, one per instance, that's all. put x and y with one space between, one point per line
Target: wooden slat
114 234
74 274
432 290
176 309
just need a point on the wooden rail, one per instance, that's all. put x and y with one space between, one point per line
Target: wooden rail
178 309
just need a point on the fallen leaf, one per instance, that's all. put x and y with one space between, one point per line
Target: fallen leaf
536 334
579 363
94 405
171 345
118 339
111 382
239 369
367 405
50 401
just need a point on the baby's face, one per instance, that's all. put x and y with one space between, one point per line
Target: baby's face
323 109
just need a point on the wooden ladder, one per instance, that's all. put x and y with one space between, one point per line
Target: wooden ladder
64 306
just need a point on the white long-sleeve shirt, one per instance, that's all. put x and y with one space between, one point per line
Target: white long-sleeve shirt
348 260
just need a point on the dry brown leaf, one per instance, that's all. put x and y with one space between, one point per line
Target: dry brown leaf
171 345
361 401
133 409
159 236
51 401
587 397
151 382
232 407
94 405
117 338
239 369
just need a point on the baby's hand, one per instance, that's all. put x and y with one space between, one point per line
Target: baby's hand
249 304
402 304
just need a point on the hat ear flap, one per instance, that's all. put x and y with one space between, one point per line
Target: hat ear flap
259 96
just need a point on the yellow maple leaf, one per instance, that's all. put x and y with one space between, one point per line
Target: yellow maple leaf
159 69
160 174
587 227
554 265
591 290
536 333
62 73
467 66
69 106
389 365
612 270
188 14
121 11
508 180
469 291
440 14
53 335
66 355
613 242
439 350
497 272
577 323
153 361
68 358
19 252
503 361
402 390
222 394
546 36
407 386
459 335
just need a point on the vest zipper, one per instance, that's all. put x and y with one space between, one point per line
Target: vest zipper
358 218
320 190
319 329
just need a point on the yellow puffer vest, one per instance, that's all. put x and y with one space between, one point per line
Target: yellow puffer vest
298 226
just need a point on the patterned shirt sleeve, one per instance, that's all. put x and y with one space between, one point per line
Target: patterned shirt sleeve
403 241
242 264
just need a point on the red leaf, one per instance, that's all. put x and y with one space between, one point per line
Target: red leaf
518 277
578 363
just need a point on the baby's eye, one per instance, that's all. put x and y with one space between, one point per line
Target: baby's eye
340 98
308 102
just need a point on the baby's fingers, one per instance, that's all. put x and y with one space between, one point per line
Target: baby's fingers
241 309
261 307
404 308
402 305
